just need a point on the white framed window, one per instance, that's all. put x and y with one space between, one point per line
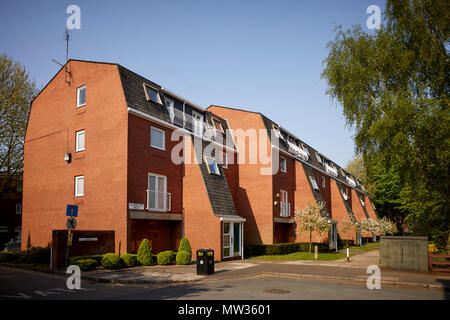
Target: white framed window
213 168
225 160
152 94
79 186
81 96
217 125
157 138
157 196
323 182
18 208
79 144
283 164
314 183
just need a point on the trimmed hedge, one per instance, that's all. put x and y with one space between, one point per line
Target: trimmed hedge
97 257
183 258
110 261
8 256
38 255
185 247
129 260
166 257
144 255
281 248
86 264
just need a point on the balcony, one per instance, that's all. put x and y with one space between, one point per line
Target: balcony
297 151
159 201
285 209
350 181
331 170
188 122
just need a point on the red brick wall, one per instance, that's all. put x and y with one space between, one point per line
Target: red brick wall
48 184
254 194
340 212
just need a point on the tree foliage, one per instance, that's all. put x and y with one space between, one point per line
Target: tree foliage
16 93
393 86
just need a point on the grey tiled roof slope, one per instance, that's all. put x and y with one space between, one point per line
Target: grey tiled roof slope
217 186
132 84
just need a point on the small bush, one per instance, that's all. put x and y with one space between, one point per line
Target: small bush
97 257
166 257
110 261
185 246
144 255
183 258
129 260
38 255
86 264
7 256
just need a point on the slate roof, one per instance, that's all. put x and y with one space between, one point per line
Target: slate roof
217 186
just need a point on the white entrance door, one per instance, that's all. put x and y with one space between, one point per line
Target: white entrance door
231 239
197 123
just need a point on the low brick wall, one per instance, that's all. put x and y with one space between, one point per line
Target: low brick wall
83 243
404 253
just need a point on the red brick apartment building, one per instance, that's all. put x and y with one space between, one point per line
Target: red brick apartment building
146 163
267 202
100 136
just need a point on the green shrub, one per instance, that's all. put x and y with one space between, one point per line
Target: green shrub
129 260
183 258
185 246
97 257
86 264
144 255
38 255
7 256
166 257
110 261
282 248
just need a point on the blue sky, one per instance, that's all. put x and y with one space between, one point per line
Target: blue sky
262 56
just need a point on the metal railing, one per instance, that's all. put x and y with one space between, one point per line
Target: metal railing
188 122
331 170
159 201
297 151
285 209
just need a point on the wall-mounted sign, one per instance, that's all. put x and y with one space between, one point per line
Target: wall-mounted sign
72 210
136 206
87 239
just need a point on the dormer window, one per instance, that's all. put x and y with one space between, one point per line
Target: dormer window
277 132
314 183
217 125
213 168
305 149
319 158
152 94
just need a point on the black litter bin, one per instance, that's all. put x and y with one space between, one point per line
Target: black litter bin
205 261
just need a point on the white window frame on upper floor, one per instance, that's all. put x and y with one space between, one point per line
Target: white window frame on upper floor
77 140
163 138
77 179
285 164
166 195
79 89
314 183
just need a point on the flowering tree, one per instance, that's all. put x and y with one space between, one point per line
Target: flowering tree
386 226
310 219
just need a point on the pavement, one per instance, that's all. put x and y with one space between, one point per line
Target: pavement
340 270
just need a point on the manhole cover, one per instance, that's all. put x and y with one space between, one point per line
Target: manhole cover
277 291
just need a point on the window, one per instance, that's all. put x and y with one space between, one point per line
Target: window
283 165
305 149
152 94
79 186
319 158
217 125
314 183
18 208
170 105
81 96
323 182
363 203
157 196
79 145
285 207
225 159
212 166
157 138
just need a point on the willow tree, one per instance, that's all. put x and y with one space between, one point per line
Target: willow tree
393 87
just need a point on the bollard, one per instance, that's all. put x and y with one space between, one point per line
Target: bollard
348 254
316 252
